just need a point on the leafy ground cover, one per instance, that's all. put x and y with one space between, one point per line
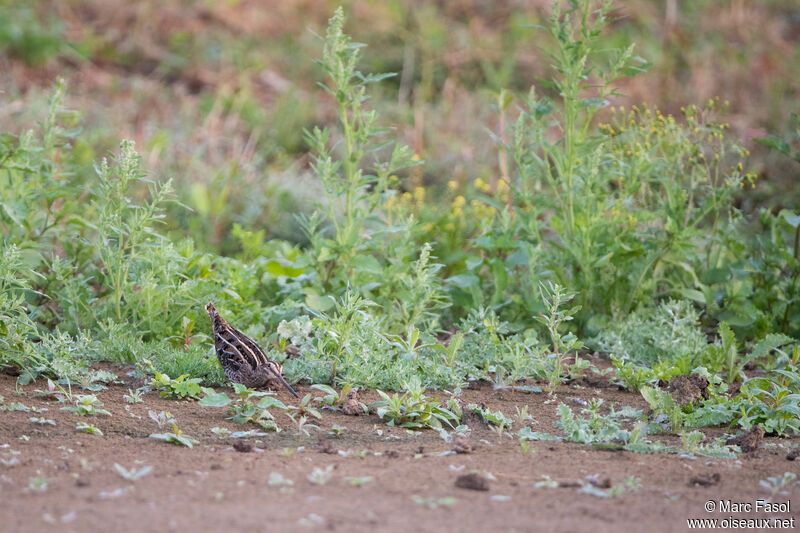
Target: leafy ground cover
606 285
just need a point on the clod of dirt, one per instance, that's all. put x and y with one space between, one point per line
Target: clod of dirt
749 441
704 480
392 454
243 447
461 444
472 481
215 466
351 405
600 483
688 389
793 455
325 446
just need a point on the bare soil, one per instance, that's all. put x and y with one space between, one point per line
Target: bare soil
222 483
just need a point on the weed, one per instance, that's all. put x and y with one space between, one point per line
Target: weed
432 503
321 476
133 474
777 485
336 430
41 421
303 408
413 409
181 387
91 429
496 419
87 404
176 436
133 396
38 483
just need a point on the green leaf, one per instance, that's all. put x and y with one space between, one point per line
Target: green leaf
213 399
268 402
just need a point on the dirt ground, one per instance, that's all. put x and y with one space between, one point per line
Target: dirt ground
215 487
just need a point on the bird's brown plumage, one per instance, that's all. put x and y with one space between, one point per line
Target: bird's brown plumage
242 360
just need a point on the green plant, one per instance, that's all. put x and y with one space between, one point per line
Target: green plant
91 429
176 436
332 399
244 410
87 404
134 474
413 409
777 485
181 387
347 185
303 408
692 444
496 418
554 296
133 396
321 476
661 403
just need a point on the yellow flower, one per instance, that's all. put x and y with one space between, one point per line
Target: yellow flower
415 157
459 201
419 194
453 184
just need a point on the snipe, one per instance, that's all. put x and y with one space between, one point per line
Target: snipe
241 358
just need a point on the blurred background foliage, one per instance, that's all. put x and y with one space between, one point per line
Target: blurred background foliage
217 94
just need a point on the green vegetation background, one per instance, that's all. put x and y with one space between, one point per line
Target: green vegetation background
529 185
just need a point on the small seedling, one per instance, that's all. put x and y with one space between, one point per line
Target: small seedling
133 474
433 503
336 430
277 480
491 418
176 436
133 396
777 485
302 425
91 429
358 481
42 420
304 408
332 399
320 476
38 483
162 418
87 405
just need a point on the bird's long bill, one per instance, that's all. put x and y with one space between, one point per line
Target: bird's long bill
286 384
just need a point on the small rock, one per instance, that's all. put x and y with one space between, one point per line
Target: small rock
793 455
325 446
704 480
461 444
243 447
472 481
